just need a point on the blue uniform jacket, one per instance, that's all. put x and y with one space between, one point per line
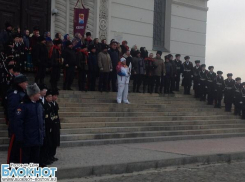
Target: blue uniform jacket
30 123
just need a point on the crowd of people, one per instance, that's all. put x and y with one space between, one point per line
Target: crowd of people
113 65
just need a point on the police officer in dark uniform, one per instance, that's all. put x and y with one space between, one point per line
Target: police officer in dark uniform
15 96
196 78
179 70
93 67
211 76
55 134
203 82
228 92
55 62
238 96
168 77
49 118
174 73
218 89
187 75
243 100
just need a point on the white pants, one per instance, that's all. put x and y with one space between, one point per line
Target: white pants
122 94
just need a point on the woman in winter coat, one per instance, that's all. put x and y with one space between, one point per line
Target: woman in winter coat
123 77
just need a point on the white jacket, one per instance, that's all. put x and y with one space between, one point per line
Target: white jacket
123 79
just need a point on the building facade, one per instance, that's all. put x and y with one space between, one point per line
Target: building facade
175 26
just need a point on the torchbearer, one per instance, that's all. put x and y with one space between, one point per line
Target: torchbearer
123 77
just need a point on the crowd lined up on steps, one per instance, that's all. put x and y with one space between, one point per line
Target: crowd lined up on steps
113 66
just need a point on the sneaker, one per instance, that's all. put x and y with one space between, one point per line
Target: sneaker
126 102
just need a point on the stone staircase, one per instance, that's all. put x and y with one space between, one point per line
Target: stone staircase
94 118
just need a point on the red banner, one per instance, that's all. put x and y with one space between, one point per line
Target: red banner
80 20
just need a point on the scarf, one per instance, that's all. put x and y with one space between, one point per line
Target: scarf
51 50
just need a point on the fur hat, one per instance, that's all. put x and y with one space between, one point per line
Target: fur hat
243 83
238 79
88 34
20 79
166 57
159 52
229 74
203 65
49 92
42 86
210 67
55 92
32 89
11 66
36 28
104 46
177 55
219 72
91 47
41 38
187 57
170 55
197 61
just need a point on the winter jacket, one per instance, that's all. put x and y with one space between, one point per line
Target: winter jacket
123 75
93 62
114 57
104 62
159 66
40 55
69 56
30 124
139 65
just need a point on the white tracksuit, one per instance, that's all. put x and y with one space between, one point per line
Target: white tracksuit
123 81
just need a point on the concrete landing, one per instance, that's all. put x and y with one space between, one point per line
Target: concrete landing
125 158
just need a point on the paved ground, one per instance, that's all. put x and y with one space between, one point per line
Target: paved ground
233 172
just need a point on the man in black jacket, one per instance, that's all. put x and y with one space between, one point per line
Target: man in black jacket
196 78
168 76
70 65
210 84
203 82
114 54
41 59
218 89
174 74
93 67
187 75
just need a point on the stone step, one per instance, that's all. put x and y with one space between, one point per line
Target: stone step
4 140
149 123
74 137
132 114
135 105
145 110
3 127
147 128
145 118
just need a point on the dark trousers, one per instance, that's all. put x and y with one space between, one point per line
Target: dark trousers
228 107
172 84
40 75
82 80
113 80
148 82
202 91
187 89
14 151
167 84
45 150
54 77
157 82
243 112
137 82
103 82
30 154
70 74
92 81
176 82
238 108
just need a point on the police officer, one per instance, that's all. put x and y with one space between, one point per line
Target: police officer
218 89
174 74
179 70
14 98
55 61
55 134
30 125
187 75
211 76
238 96
203 82
243 100
196 78
229 87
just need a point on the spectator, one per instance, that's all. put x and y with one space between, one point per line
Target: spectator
93 67
124 47
159 72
